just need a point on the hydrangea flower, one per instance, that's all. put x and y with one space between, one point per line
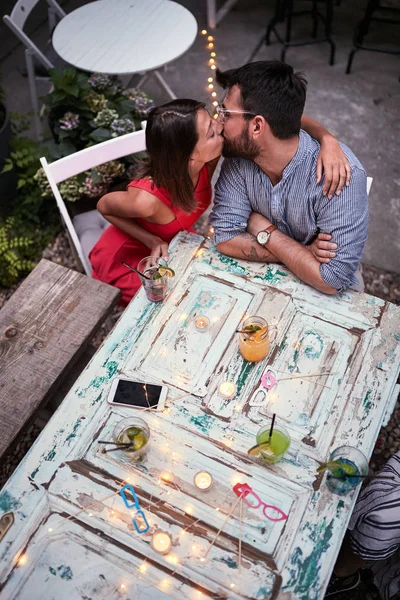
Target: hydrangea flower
92 189
105 117
69 121
143 102
41 178
71 190
110 171
122 126
96 102
100 81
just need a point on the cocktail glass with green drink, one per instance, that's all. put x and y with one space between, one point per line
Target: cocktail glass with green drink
345 468
271 448
134 436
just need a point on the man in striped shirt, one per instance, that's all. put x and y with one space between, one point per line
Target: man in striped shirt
268 204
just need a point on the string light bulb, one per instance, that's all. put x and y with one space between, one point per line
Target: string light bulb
204 31
213 67
210 86
213 55
211 45
211 61
215 103
214 94
210 38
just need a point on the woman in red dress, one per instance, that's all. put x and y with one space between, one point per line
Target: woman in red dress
172 190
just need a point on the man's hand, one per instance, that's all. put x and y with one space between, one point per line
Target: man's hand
322 248
333 162
158 248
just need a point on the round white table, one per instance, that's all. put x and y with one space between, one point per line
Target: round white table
121 37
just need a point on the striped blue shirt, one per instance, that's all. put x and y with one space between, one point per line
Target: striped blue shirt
297 206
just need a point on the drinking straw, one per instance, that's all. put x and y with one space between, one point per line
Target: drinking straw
136 271
272 427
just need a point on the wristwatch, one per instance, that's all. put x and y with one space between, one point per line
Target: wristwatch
263 236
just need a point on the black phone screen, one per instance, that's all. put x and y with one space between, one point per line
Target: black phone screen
133 393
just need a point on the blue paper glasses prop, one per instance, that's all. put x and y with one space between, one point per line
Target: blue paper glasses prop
135 504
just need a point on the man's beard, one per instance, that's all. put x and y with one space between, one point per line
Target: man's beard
240 147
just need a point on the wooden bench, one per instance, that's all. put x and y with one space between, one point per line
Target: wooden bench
44 329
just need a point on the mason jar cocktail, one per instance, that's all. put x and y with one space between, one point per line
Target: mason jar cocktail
255 338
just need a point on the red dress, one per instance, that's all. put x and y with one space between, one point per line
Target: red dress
115 246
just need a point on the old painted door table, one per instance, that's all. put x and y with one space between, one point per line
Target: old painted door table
63 543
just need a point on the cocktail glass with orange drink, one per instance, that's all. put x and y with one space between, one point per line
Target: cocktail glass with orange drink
255 338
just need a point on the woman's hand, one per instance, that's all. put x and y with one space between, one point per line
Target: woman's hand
322 248
335 166
158 248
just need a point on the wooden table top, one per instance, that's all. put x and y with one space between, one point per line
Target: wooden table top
51 551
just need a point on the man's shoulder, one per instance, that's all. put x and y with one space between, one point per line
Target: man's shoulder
351 157
312 147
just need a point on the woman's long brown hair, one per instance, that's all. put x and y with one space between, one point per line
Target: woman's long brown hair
171 136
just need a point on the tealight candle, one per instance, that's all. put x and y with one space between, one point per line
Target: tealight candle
201 323
161 542
203 480
227 389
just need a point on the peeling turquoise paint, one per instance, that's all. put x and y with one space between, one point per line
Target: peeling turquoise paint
245 371
233 265
232 564
8 502
271 275
203 422
74 430
396 337
339 507
51 454
97 399
367 403
264 592
34 473
305 572
63 571
311 344
112 368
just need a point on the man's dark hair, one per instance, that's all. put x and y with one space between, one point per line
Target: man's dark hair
271 89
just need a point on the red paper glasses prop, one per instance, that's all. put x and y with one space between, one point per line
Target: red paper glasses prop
273 513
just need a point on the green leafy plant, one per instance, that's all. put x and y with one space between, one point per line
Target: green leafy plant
13 254
86 109
29 204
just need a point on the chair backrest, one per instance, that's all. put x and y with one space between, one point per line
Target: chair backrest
16 22
86 159
369 183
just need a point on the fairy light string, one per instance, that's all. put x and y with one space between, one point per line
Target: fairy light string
210 47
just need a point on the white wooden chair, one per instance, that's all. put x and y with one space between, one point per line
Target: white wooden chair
37 63
85 229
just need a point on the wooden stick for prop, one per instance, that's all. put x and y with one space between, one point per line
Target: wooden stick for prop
222 526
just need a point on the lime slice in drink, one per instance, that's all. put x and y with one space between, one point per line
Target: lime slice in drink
252 328
263 447
338 468
139 441
166 271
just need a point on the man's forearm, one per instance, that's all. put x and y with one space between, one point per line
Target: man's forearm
245 246
299 260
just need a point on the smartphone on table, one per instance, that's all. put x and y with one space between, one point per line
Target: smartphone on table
136 394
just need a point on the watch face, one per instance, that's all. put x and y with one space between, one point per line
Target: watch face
262 237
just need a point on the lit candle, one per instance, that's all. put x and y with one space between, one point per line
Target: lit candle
161 542
203 480
201 323
227 389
